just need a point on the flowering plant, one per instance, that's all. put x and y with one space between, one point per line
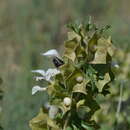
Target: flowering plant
81 75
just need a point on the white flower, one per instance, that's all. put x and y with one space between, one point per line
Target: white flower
67 101
39 78
46 75
51 73
35 89
42 72
53 111
51 53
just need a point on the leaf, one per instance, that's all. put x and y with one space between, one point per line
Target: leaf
91 48
57 90
72 79
72 35
39 122
90 125
105 90
80 103
103 48
83 112
69 128
52 124
111 49
101 52
80 88
67 69
74 127
70 47
93 42
101 83
64 108
80 52
92 104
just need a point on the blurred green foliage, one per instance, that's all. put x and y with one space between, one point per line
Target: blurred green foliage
28 27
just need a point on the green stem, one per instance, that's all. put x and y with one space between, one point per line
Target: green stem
66 122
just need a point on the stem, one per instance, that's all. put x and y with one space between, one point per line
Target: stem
120 100
66 122
119 104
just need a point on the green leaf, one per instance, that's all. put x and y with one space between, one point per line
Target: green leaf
101 52
90 125
72 79
67 69
69 128
72 35
80 88
83 112
64 109
101 83
90 50
74 127
70 47
52 124
40 121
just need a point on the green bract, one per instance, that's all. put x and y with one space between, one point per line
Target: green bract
85 74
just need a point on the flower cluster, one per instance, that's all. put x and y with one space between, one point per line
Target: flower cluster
46 75
82 74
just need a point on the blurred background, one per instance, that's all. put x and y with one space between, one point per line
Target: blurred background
30 27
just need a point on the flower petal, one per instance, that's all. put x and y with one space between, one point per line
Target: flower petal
53 111
51 53
35 89
46 75
39 78
50 73
42 72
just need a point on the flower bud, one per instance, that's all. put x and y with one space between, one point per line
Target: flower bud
67 101
79 79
